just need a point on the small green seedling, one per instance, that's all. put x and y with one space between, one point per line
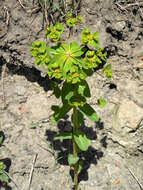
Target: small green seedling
72 63
3 177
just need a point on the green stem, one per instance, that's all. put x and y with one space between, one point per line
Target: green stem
75 126
70 34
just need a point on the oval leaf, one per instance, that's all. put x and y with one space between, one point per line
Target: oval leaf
83 89
67 92
80 166
60 112
81 140
3 177
101 102
1 140
89 112
63 136
72 160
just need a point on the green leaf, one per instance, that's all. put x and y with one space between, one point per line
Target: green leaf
108 67
78 187
1 140
89 112
79 18
54 32
67 92
72 160
88 72
89 38
59 58
32 125
54 50
71 22
90 53
67 65
80 166
77 100
77 53
3 177
66 47
74 46
107 71
55 108
57 91
42 50
81 140
2 166
59 158
60 112
83 89
36 44
101 102
65 135
59 27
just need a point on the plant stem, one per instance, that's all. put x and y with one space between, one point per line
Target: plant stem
70 34
75 126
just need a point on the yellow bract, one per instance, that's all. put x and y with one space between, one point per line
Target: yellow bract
91 60
57 71
75 75
89 37
43 57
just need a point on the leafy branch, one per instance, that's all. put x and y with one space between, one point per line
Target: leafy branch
72 63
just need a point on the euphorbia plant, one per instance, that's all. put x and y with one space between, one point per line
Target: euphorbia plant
72 63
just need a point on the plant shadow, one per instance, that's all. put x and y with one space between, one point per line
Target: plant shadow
64 147
31 74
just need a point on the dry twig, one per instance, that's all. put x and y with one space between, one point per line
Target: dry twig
46 150
32 169
22 5
133 4
120 7
2 80
4 30
30 9
124 8
133 175
45 14
140 8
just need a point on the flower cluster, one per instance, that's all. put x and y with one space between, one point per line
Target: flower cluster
89 38
91 60
66 62
72 21
70 61
107 71
40 51
54 32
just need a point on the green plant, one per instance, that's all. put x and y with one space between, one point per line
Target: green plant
3 177
72 63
